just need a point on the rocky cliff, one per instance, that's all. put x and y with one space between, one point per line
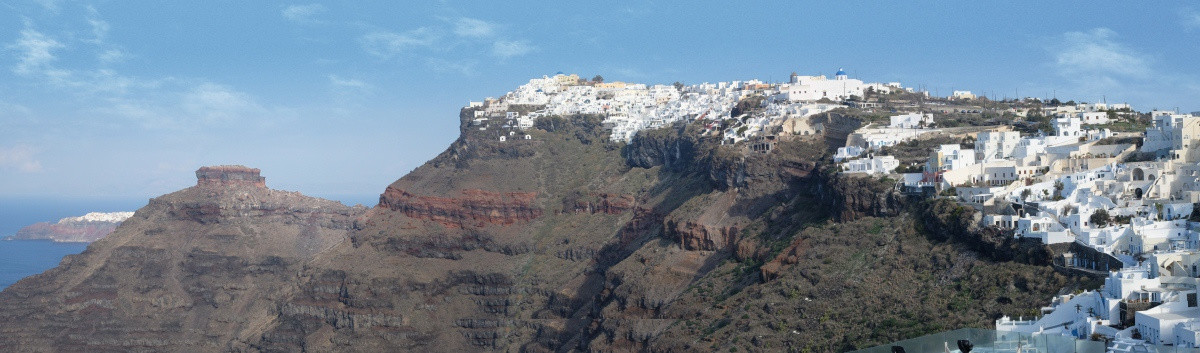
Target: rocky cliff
86 228
563 242
194 270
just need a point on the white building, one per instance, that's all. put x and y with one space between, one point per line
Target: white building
950 157
1093 118
993 145
811 88
844 153
871 165
962 95
911 121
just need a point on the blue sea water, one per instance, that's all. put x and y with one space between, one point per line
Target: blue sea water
23 258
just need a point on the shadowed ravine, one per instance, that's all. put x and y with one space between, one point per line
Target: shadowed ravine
562 242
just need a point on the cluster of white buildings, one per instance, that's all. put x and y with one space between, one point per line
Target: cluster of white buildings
1128 221
1155 245
631 107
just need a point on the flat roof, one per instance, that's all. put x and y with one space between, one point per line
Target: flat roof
1174 315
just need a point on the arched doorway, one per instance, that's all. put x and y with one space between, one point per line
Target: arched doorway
1137 194
1138 174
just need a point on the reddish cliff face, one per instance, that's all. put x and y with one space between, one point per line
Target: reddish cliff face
695 236
229 176
789 256
475 208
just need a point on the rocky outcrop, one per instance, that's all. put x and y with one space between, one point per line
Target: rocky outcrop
789 256
229 176
600 203
194 270
475 208
595 253
86 228
853 197
675 148
696 236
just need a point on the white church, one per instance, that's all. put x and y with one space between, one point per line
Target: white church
811 88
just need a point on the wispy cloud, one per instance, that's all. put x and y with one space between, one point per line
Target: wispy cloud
390 44
151 103
192 106
111 56
303 13
1190 18
34 51
348 83
213 103
508 49
100 27
1096 52
470 27
49 5
20 158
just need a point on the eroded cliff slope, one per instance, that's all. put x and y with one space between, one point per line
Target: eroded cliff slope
195 270
560 242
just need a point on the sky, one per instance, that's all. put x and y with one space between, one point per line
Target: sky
126 99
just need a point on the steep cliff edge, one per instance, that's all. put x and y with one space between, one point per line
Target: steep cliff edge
194 270
560 242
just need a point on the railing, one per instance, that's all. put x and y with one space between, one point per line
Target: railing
990 341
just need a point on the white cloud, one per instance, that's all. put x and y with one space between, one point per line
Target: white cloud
100 27
213 103
35 52
470 27
7 109
389 44
49 5
508 49
349 83
1190 18
21 158
1096 53
111 56
303 13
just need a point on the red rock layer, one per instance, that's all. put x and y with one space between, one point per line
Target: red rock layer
789 256
695 236
475 208
229 175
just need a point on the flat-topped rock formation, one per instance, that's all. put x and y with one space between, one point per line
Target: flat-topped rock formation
195 270
229 175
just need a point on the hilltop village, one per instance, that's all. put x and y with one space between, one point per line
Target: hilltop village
1112 188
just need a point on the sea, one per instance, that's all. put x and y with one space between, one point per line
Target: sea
23 258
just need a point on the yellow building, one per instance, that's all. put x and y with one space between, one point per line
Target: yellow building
567 80
611 85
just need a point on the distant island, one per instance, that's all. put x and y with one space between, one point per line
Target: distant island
87 228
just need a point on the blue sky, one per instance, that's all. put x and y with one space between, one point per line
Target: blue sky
125 99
